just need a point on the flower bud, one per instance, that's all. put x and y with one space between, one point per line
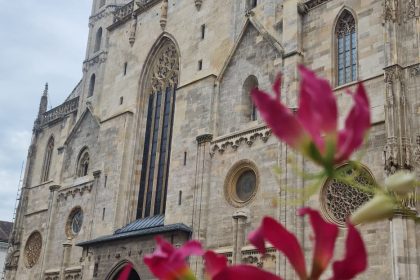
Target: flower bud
401 182
379 207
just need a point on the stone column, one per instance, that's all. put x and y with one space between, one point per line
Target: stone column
239 222
66 257
200 195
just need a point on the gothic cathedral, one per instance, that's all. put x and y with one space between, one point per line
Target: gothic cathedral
160 136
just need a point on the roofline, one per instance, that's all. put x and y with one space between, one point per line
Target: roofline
138 233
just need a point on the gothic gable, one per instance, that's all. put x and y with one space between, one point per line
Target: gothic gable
84 135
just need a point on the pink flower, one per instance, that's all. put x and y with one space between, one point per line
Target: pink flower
313 130
169 263
217 269
354 262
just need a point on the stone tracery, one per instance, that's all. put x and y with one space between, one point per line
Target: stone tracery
33 249
339 199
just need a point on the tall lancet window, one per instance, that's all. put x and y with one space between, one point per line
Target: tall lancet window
47 160
161 87
98 40
346 44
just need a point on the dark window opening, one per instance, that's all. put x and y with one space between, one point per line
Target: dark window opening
91 85
200 65
203 31
125 68
180 198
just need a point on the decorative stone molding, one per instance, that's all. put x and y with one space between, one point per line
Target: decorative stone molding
124 11
61 111
133 31
97 59
204 138
302 8
198 4
410 10
133 8
164 14
73 273
392 73
391 11
109 10
266 261
52 275
12 260
414 70
72 191
234 141
311 4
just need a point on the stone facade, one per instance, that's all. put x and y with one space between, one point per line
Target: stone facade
100 167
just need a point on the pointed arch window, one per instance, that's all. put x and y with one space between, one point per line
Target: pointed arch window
346 48
98 40
157 139
250 110
47 160
91 85
83 163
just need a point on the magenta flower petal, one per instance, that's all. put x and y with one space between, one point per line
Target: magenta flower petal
356 126
214 263
283 240
125 273
317 106
167 262
355 259
280 119
325 236
245 272
257 238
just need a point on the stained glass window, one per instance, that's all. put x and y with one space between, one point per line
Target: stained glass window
346 41
157 139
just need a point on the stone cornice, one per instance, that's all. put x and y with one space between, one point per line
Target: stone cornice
235 140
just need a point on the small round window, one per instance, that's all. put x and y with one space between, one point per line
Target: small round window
246 185
241 183
74 222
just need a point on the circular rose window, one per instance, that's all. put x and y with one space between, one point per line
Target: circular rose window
241 183
340 199
33 249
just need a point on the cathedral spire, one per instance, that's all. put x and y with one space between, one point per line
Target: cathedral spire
44 101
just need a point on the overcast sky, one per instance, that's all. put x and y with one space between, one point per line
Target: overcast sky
41 41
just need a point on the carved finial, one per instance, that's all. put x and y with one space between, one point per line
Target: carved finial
164 14
133 30
46 90
198 4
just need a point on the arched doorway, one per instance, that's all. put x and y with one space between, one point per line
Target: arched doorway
116 272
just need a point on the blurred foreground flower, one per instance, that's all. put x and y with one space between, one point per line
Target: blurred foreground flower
313 131
355 259
169 263
380 207
401 183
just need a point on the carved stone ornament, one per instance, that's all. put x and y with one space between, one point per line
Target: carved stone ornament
164 14
391 10
97 59
52 275
165 71
314 3
411 11
339 199
415 70
234 141
33 249
393 73
73 191
266 261
198 4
